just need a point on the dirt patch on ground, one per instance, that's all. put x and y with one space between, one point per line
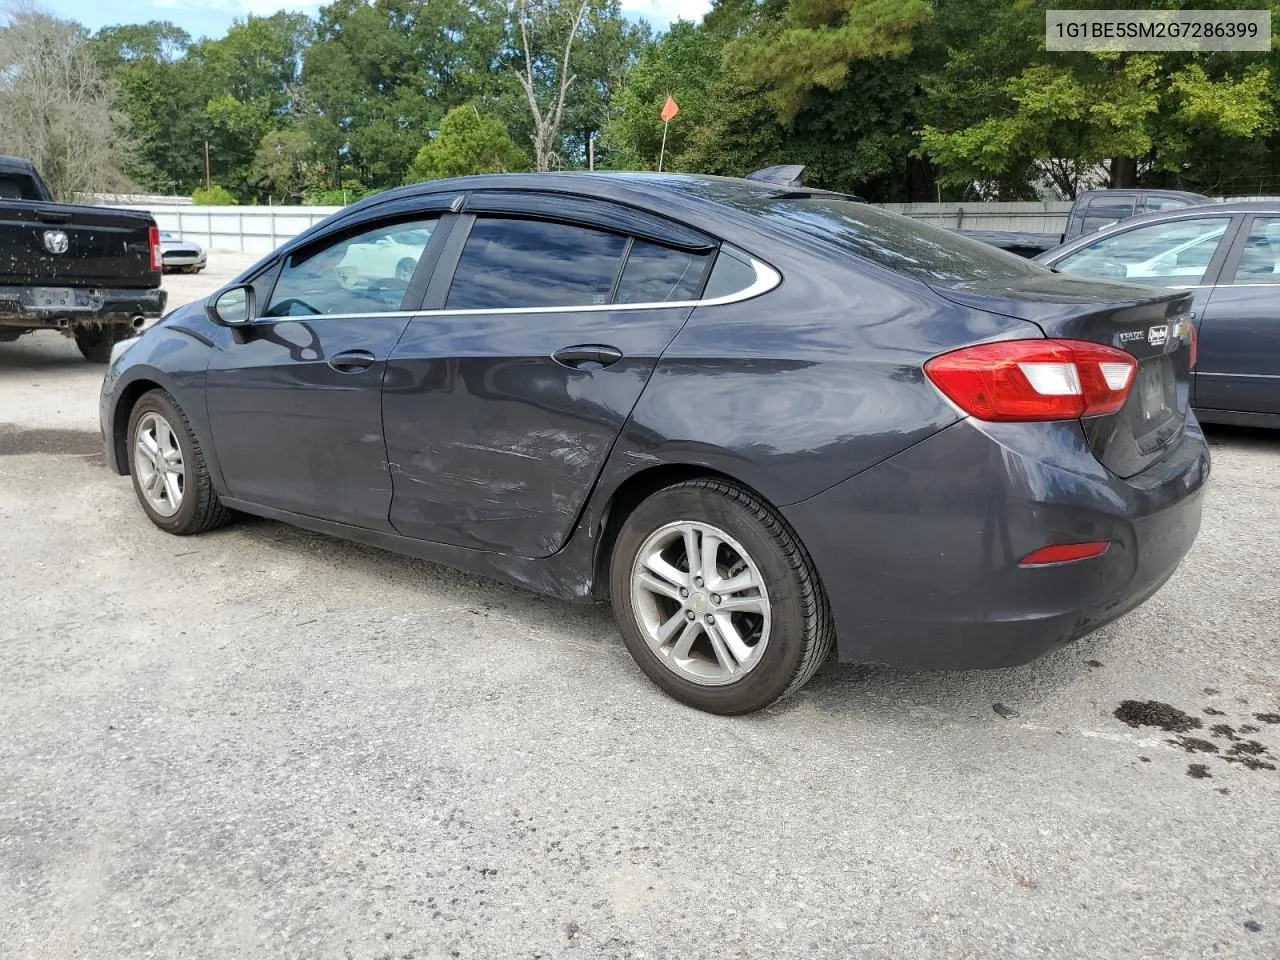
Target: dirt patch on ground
1153 713
78 443
1194 745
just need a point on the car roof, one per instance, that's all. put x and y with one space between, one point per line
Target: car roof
714 205
681 189
1149 191
16 165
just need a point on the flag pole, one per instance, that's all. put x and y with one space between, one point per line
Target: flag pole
663 152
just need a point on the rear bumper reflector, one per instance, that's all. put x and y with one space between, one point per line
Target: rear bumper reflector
1065 553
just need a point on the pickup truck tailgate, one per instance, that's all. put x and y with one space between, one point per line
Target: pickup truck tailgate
104 247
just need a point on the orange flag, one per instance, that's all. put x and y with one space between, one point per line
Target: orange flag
669 110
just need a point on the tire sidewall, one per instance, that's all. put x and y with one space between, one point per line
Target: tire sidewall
158 403
781 659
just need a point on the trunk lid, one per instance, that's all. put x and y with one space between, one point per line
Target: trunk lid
1152 325
104 247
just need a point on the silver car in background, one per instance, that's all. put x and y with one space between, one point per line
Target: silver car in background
181 256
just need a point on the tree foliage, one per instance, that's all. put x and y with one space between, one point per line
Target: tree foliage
56 105
892 99
467 142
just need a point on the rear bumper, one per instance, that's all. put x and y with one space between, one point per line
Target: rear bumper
26 307
920 554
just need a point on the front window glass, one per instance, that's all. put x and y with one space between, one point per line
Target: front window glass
365 273
1175 253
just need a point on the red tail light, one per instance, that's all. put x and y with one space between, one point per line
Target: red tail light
1065 553
153 238
1035 379
1195 346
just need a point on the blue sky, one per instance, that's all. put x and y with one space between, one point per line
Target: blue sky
212 17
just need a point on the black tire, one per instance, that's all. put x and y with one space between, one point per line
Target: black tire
405 269
95 343
801 631
200 510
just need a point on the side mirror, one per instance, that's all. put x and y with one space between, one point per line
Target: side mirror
233 307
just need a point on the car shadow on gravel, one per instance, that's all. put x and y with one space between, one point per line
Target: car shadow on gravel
837 688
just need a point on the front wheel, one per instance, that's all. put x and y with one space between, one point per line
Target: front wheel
95 343
169 473
716 598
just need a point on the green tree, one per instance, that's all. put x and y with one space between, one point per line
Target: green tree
214 196
683 64
467 142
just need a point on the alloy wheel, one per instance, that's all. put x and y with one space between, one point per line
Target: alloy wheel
157 462
701 602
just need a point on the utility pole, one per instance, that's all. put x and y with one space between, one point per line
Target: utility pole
208 184
591 152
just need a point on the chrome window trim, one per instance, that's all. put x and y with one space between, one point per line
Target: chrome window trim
767 279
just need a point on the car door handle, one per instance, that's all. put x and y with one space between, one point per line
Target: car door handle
353 361
587 356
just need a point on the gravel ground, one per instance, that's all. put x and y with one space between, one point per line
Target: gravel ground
266 743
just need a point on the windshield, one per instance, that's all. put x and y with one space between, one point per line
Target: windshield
909 247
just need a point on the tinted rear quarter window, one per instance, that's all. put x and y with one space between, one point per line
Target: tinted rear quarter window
508 263
728 276
655 274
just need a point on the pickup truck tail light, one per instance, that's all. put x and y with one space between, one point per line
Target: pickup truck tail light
153 238
1022 380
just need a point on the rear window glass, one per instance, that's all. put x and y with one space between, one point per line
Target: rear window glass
909 247
533 263
15 186
655 274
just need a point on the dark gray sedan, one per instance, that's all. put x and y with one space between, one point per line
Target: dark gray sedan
763 421
1227 255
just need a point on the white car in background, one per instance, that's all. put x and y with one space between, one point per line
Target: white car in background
181 256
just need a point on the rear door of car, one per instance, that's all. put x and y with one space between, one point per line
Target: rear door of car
540 329
1239 363
294 400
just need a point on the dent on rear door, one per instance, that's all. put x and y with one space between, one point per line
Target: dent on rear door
492 444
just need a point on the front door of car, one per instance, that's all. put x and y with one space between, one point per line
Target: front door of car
501 407
1239 362
295 398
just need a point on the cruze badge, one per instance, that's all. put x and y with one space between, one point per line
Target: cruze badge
1157 336
55 241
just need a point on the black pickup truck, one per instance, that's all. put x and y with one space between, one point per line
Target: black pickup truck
90 272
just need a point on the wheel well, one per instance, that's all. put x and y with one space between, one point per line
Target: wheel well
120 419
630 494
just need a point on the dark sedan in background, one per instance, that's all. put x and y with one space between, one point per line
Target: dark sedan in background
761 420
1227 256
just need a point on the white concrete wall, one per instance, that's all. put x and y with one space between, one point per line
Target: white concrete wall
255 230
259 230
1029 217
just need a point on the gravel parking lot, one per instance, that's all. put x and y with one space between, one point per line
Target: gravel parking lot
266 743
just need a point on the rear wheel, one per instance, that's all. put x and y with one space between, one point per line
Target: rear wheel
405 268
716 599
95 343
169 473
